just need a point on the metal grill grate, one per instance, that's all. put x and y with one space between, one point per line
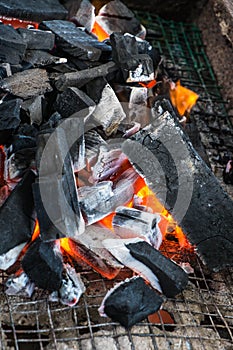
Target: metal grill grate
202 314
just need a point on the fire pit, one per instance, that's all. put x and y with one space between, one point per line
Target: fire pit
200 317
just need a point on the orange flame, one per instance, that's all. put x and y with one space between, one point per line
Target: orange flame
18 23
182 98
99 32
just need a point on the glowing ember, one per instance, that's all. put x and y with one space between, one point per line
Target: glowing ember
182 98
99 32
149 85
18 23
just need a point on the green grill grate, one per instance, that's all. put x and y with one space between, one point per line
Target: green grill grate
181 45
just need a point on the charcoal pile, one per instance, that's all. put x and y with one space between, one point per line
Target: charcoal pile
96 164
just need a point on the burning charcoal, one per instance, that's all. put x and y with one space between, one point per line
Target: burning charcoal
35 109
12 45
43 264
78 79
138 110
135 67
129 222
20 285
109 112
71 288
121 194
85 15
118 248
36 11
172 278
92 197
93 140
73 100
130 301
55 194
39 58
75 41
228 173
9 258
9 118
89 248
37 39
17 215
116 17
27 84
25 137
110 161
207 224
19 162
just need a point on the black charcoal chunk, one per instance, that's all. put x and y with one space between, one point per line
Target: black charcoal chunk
56 196
40 58
19 162
116 17
131 302
33 10
135 67
130 222
109 112
75 41
37 39
27 84
9 119
78 79
84 16
71 289
12 46
17 215
43 264
187 187
172 278
73 100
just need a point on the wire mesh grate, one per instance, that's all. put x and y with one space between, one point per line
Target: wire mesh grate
202 316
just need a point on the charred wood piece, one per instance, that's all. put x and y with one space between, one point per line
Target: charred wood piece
36 11
116 17
206 223
130 302
43 264
20 285
75 41
129 223
172 278
118 248
71 288
12 45
73 100
89 248
19 162
109 112
37 39
17 215
78 79
122 192
84 16
40 58
135 67
93 140
27 84
91 199
9 119
56 197
111 161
